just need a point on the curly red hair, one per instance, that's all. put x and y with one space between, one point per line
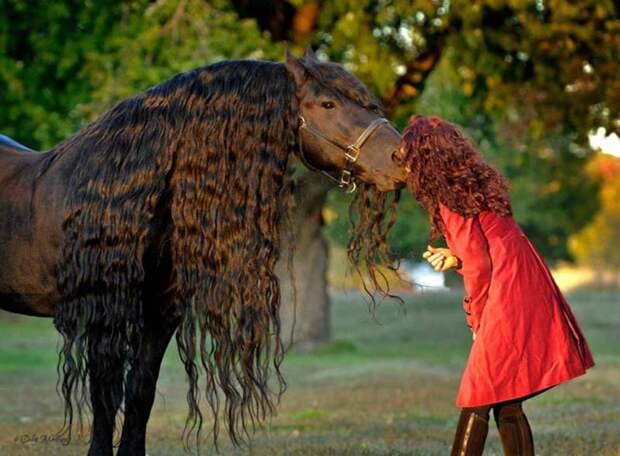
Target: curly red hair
445 166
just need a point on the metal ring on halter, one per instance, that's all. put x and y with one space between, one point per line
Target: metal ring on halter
351 151
345 178
347 182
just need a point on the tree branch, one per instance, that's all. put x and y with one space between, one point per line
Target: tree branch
411 84
280 18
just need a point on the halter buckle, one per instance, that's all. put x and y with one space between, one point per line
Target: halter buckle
352 153
347 182
345 178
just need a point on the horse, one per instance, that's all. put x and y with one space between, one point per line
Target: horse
162 218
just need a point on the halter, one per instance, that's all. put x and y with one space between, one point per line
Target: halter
351 151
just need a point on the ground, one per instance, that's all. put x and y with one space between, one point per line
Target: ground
384 387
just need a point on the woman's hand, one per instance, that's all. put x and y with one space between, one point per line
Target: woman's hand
441 259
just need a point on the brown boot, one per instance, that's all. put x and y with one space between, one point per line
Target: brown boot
471 433
514 431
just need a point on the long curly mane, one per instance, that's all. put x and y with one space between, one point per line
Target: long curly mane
372 215
444 166
214 142
207 155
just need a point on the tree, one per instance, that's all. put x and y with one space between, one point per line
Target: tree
598 243
168 37
305 301
44 47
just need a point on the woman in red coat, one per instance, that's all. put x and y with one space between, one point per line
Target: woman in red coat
526 339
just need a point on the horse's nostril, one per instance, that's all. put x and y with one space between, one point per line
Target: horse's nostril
395 156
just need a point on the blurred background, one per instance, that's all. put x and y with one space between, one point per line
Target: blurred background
536 84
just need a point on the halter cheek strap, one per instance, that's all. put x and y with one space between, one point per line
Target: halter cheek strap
351 151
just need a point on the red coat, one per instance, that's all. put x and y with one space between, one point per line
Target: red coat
527 338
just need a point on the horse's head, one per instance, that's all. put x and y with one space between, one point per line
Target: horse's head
342 129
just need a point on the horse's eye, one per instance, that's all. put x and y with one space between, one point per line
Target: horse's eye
328 104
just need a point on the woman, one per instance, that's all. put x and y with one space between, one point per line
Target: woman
526 339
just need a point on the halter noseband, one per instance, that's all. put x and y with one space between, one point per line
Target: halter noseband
351 151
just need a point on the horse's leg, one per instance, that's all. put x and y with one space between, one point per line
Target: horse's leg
106 391
141 386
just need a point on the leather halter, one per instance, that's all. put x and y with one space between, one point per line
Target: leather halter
351 151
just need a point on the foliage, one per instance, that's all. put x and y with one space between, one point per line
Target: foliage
543 63
43 50
598 244
64 63
527 79
168 37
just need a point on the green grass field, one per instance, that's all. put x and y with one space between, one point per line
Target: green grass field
380 388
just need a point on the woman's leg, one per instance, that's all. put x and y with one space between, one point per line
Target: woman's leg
471 432
514 429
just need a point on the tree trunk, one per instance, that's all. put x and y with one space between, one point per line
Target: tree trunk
306 322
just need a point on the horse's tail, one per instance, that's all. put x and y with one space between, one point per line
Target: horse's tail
100 338
112 197
101 319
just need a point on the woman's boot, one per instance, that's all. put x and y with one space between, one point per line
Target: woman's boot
514 430
471 432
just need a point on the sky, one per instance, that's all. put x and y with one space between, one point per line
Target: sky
609 144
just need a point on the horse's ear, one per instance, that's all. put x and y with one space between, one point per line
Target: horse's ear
295 66
310 56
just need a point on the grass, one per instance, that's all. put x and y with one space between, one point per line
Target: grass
384 387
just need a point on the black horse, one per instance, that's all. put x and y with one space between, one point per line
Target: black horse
162 216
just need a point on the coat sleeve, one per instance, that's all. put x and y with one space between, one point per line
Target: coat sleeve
467 241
